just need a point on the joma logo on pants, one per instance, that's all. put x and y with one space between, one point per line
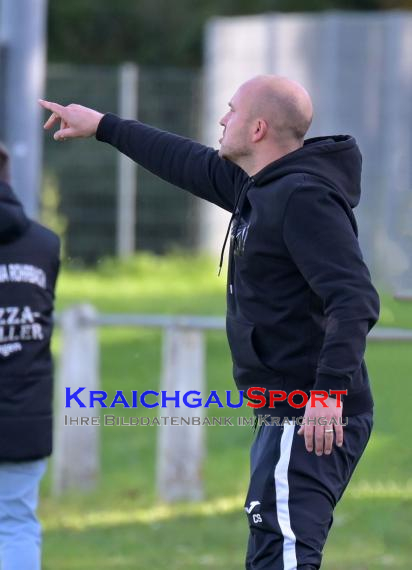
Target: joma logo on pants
255 517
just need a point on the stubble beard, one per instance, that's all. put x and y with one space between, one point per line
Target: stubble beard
235 155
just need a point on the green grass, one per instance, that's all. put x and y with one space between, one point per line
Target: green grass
122 525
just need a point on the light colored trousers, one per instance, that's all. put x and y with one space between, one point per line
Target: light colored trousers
20 531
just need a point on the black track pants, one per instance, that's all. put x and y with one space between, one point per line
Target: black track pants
292 494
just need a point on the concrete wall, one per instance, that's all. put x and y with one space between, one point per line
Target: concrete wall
358 69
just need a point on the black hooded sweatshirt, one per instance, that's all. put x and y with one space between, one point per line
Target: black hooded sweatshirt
300 301
29 262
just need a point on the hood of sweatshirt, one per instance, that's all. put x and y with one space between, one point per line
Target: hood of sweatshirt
335 159
13 220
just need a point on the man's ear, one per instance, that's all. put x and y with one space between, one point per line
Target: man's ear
4 164
259 130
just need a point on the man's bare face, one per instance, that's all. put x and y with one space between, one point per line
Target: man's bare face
235 141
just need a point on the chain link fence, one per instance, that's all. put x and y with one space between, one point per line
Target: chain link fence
80 181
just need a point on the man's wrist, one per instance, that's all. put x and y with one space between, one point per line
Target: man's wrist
106 128
328 382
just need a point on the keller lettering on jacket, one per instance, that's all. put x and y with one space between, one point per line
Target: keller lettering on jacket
18 324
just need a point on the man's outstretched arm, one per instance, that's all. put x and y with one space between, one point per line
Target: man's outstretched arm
178 160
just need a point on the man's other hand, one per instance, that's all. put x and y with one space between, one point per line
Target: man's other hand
76 121
320 437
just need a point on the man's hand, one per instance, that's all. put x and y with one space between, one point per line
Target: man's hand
324 434
76 121
4 165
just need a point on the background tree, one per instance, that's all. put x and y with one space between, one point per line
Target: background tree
157 32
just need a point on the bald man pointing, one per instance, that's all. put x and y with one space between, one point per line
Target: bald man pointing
300 301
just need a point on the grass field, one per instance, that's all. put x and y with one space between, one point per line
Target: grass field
121 524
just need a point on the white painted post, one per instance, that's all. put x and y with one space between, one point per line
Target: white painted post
126 197
181 449
76 449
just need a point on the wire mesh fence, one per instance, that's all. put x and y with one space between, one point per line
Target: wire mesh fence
80 180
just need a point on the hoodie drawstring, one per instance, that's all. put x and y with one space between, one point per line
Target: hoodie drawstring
222 253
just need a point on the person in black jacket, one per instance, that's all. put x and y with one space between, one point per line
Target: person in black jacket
300 301
29 264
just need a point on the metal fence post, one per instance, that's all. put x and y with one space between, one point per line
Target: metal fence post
23 32
180 450
126 196
76 456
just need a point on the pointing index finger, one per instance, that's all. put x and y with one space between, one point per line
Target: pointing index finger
54 107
